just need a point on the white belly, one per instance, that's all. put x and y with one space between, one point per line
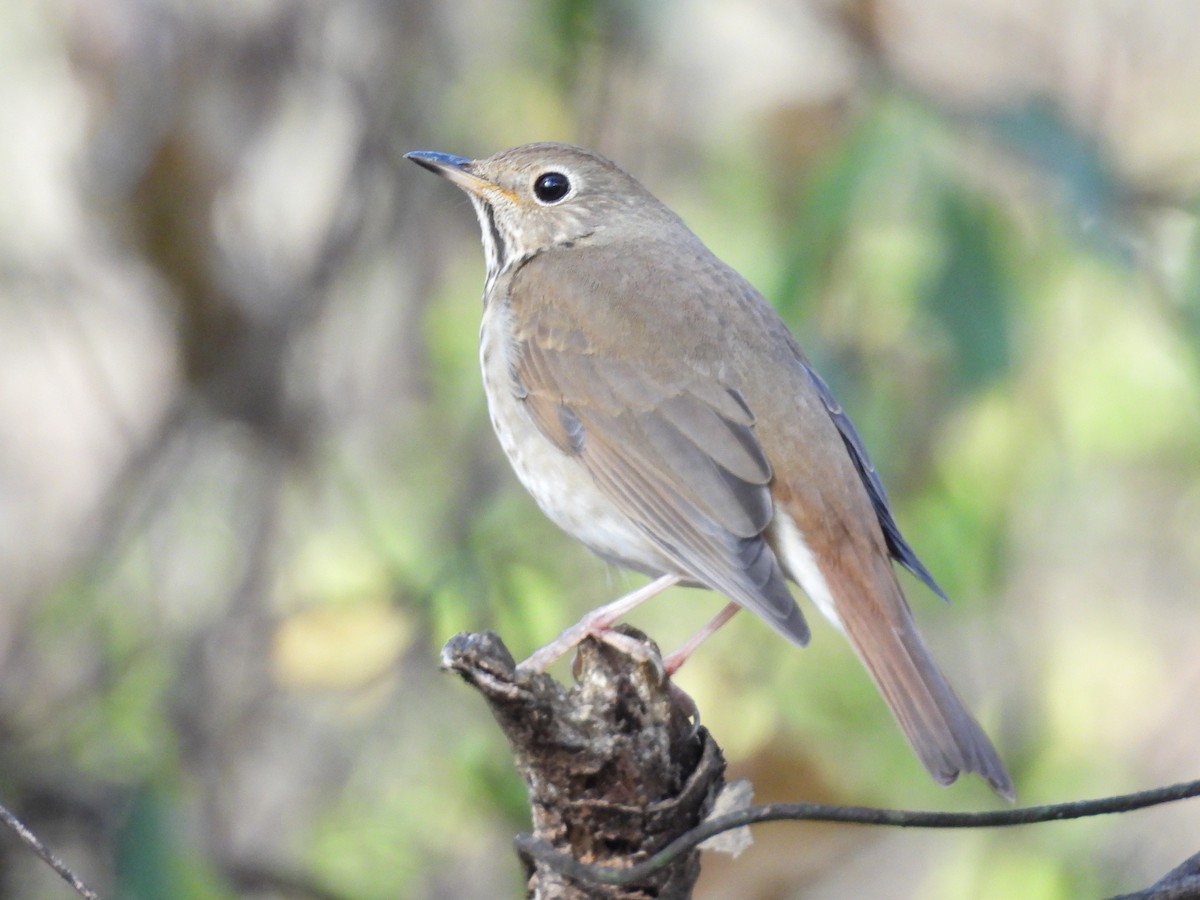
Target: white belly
561 486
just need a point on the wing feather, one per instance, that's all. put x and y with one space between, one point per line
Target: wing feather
897 545
693 480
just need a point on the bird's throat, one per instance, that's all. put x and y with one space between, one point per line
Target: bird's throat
495 250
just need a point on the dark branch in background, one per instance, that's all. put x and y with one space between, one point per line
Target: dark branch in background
1181 883
31 841
855 815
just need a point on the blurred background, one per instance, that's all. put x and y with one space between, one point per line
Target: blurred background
248 486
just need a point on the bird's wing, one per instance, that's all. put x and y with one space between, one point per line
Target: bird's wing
897 545
675 451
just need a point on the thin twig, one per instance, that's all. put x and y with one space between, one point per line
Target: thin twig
856 815
31 840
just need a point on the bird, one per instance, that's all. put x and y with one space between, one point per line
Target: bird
659 411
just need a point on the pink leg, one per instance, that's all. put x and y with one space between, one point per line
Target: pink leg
598 620
672 663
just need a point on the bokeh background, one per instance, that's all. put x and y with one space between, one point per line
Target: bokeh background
248 486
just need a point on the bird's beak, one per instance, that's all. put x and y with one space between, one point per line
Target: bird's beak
457 170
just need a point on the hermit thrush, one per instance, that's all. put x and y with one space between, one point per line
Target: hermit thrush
659 411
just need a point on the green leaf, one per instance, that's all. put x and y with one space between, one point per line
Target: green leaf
970 296
145 848
150 862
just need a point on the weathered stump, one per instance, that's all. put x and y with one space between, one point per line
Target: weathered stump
614 765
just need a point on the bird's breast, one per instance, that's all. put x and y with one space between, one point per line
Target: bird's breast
557 481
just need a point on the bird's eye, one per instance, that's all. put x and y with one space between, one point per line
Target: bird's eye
551 187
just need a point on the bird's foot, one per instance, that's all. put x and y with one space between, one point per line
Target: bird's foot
598 623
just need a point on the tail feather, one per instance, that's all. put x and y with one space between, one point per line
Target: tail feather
944 735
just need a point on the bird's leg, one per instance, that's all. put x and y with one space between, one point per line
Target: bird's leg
597 622
672 663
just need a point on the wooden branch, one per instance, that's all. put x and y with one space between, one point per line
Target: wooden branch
1180 883
614 766
34 843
